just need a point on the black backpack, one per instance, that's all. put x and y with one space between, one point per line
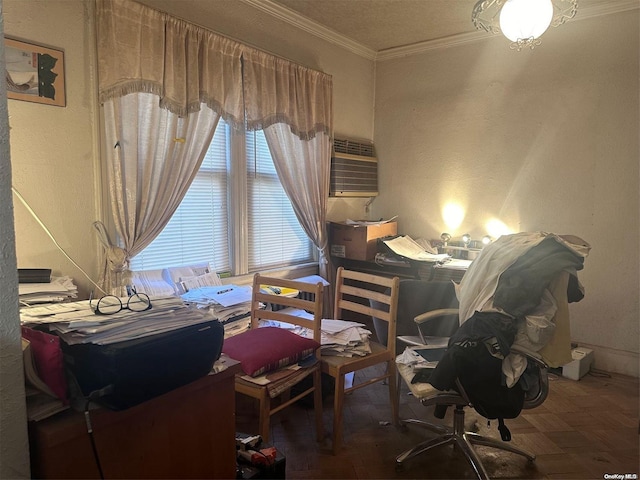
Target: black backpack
479 373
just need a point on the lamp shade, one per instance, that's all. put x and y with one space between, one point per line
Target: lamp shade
525 19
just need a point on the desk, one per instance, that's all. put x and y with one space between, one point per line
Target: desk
405 269
188 432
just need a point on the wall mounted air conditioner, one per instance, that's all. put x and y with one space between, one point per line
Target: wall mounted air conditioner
354 169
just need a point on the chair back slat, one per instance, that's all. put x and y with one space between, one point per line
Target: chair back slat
263 303
355 290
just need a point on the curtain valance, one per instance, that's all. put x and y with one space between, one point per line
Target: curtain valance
143 50
280 91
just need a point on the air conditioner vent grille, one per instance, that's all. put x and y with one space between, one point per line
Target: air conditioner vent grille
354 169
353 148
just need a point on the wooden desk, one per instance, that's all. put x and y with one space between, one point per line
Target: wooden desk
407 269
399 269
188 432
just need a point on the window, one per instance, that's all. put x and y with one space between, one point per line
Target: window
235 215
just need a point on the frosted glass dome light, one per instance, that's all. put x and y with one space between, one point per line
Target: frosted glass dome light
522 21
525 19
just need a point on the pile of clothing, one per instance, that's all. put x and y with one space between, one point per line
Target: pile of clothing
516 293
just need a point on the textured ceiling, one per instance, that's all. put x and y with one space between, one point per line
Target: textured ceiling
383 24
380 25
372 28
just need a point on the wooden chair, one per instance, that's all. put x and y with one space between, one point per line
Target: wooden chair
354 291
266 305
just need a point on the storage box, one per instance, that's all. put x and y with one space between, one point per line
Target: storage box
358 242
581 364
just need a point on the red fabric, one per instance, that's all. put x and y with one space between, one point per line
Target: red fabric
262 350
47 356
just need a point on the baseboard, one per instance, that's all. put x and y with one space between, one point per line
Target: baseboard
614 361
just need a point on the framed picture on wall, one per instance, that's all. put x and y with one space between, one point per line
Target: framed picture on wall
34 73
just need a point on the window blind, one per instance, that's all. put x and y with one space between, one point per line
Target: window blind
275 235
198 230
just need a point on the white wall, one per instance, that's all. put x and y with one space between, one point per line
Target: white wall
542 140
54 150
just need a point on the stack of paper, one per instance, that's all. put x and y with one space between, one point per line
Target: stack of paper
75 322
344 339
338 337
40 405
406 246
369 222
225 302
59 289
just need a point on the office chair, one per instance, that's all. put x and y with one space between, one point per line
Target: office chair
265 350
458 398
353 292
512 278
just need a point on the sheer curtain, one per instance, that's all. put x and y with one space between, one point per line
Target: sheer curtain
164 84
293 105
152 156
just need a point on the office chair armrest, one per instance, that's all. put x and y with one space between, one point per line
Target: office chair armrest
442 312
538 397
423 318
535 357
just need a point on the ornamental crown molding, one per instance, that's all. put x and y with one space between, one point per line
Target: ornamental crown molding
605 7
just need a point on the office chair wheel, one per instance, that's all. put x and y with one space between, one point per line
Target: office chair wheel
399 467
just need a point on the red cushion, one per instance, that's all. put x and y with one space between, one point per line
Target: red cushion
262 350
47 356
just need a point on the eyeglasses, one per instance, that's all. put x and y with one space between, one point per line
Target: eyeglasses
110 304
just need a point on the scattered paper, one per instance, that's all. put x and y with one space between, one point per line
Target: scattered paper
369 222
405 246
456 264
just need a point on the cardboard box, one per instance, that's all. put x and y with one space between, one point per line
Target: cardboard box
358 242
581 364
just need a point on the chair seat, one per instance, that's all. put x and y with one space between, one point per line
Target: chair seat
278 381
418 390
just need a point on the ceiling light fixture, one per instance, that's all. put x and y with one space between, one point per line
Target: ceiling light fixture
522 21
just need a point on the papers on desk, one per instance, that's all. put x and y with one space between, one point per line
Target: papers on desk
225 295
59 289
407 247
75 322
362 223
224 301
455 264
